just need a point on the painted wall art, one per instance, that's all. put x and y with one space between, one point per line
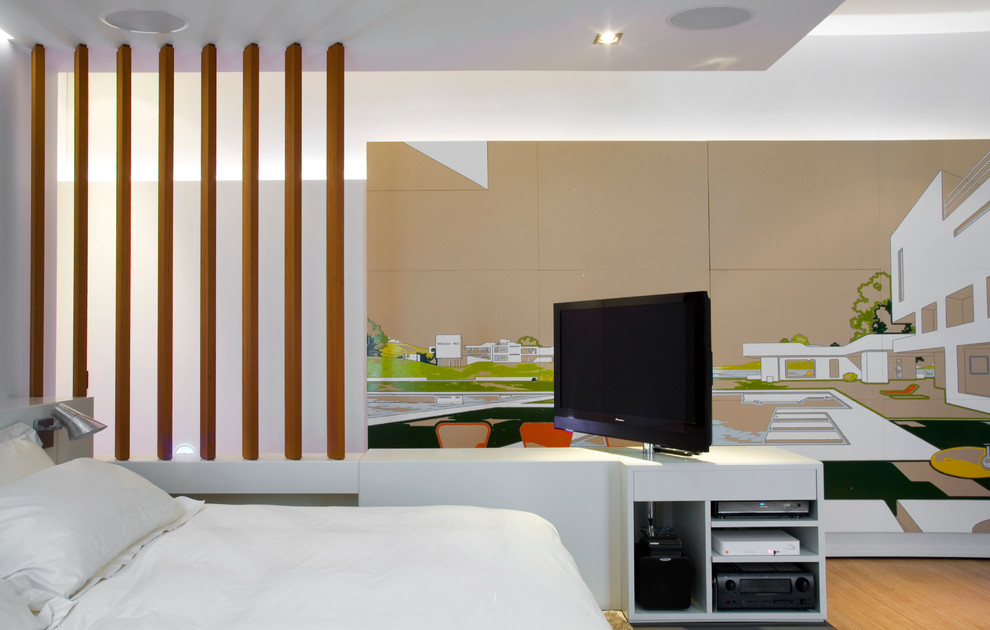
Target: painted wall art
850 287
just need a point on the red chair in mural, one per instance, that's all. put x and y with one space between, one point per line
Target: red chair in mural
543 434
463 434
908 393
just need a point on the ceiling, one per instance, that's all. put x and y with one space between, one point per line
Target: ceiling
454 35
400 35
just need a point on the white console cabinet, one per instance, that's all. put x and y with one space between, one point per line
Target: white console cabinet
684 491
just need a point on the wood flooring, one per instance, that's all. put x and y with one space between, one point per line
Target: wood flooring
891 593
904 593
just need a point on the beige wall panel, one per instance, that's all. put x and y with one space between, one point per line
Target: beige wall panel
595 284
481 306
456 230
908 167
795 205
768 305
398 166
623 205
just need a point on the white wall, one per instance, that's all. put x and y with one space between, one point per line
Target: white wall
15 228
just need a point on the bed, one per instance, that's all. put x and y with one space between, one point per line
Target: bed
87 544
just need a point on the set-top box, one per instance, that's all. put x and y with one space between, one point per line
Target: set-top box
755 542
747 509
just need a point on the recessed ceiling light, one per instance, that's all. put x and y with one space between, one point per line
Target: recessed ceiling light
607 38
707 18
144 21
4 35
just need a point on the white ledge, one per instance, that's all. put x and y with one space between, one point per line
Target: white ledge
231 474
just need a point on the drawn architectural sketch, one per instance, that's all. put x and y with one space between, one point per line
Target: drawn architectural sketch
851 317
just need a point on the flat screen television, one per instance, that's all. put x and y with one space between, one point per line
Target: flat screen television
636 368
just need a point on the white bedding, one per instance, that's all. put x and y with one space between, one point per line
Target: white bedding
265 567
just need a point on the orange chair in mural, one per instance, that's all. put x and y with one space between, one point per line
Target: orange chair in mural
543 434
463 434
906 393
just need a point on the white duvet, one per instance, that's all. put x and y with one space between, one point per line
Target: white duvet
271 567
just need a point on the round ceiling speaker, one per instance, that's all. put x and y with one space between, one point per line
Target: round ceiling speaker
144 21
707 18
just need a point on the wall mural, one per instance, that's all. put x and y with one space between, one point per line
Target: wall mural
849 283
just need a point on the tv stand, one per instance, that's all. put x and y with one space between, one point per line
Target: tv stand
680 493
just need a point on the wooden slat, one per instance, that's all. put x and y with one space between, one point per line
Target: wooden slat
249 293
36 335
80 198
208 258
293 252
122 350
335 251
166 163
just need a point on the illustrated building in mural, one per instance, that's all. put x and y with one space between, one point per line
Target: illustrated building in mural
866 359
506 351
940 265
448 349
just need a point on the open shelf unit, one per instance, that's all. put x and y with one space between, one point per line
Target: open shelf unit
683 492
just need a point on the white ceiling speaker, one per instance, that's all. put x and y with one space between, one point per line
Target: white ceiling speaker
144 21
707 18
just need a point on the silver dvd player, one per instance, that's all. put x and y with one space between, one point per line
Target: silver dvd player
727 509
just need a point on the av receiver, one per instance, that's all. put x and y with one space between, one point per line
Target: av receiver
763 586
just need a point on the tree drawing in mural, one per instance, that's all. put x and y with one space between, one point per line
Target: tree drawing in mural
376 339
873 308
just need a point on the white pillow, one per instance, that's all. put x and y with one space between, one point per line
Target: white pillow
13 611
20 453
18 429
61 525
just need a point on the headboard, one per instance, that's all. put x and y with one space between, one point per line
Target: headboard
27 410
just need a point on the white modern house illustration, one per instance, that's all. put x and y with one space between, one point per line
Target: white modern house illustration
867 358
940 272
449 350
505 351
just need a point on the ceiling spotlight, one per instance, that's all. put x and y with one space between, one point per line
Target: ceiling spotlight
144 21
607 38
4 35
707 18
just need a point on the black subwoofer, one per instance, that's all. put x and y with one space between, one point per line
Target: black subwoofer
663 583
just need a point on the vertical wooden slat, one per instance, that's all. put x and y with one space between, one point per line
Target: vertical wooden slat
249 321
335 251
208 258
166 163
36 335
293 252
80 267
122 351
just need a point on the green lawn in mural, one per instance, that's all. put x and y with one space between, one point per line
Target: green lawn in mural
459 386
874 480
388 367
945 433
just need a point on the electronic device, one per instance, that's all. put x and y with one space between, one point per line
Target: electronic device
658 543
754 542
637 368
663 583
663 577
763 586
749 509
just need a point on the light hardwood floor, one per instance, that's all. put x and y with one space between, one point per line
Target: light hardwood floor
904 593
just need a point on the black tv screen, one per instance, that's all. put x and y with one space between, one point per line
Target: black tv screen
637 368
